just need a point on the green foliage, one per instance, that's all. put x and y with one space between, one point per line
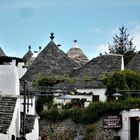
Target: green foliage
92 113
43 100
85 77
51 114
89 131
123 45
51 80
116 80
132 79
64 114
123 80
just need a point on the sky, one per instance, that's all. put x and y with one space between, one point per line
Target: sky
92 22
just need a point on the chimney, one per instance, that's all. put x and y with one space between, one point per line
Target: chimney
75 44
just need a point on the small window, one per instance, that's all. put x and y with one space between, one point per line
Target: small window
95 98
13 137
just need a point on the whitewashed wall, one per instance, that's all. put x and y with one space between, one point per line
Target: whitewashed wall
100 92
124 133
31 108
64 101
9 80
34 135
3 137
21 69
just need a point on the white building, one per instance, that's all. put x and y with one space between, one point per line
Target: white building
130 125
11 70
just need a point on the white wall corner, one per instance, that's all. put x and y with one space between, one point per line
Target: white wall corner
122 63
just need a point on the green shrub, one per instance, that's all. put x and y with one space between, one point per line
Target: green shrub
51 114
89 131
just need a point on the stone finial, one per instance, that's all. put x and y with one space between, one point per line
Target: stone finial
58 45
40 48
75 45
52 36
29 47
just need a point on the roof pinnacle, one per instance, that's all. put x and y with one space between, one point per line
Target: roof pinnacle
52 36
29 47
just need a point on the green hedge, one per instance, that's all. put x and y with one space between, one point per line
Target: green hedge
92 113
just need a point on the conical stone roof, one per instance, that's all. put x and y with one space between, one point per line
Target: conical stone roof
50 61
28 55
2 52
134 64
77 54
91 74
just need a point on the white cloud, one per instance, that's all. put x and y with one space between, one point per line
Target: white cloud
102 48
136 36
96 30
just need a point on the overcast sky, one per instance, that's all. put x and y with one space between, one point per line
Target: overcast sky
92 22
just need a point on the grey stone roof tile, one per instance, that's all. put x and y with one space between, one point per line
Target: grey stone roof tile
7 106
77 55
91 74
134 64
2 52
50 61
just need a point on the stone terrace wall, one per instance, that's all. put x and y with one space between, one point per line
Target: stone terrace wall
104 134
68 130
64 130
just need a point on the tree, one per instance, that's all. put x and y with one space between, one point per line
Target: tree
123 45
114 81
123 80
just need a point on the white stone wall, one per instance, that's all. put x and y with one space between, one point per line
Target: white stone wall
100 92
21 69
4 137
9 80
124 133
31 108
34 135
122 65
64 101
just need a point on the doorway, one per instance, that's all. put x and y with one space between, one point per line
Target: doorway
134 128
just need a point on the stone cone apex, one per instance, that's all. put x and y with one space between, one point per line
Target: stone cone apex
51 61
77 54
28 55
2 52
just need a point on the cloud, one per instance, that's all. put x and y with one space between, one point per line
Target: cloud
96 30
136 36
102 48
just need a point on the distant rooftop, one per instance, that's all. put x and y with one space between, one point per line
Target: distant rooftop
2 52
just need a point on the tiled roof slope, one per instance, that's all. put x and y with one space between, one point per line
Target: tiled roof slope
29 123
77 54
7 105
28 55
2 52
50 61
91 74
134 64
